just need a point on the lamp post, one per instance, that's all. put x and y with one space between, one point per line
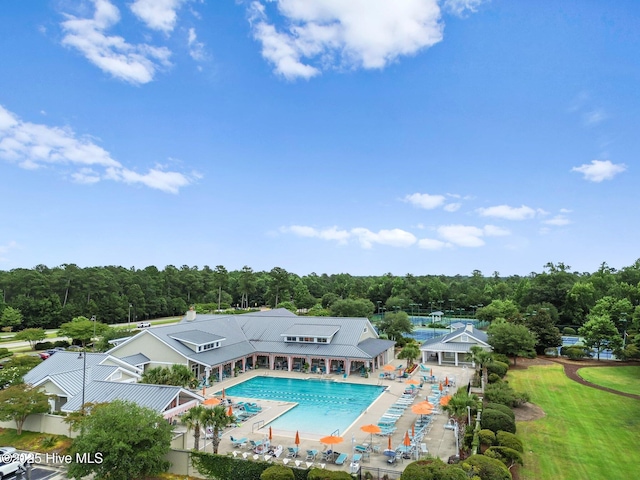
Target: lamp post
130 315
450 310
378 302
83 355
93 319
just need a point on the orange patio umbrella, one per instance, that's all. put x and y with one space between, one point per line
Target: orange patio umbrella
371 428
389 368
389 444
230 411
297 440
412 381
211 401
270 434
422 408
407 440
440 387
331 440
445 400
223 395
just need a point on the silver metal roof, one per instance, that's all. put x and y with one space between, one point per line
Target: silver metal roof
62 362
261 332
470 330
156 397
310 330
196 337
137 359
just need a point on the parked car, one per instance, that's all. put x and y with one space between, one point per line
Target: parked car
10 462
144 325
44 355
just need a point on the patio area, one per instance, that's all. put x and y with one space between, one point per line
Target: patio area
370 450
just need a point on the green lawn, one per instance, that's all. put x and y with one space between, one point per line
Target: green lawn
587 434
625 379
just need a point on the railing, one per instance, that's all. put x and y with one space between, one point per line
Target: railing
257 425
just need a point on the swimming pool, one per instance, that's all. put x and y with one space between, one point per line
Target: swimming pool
324 406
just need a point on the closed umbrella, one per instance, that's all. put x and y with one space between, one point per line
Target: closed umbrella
446 381
270 434
223 395
407 440
440 387
389 444
297 440
230 411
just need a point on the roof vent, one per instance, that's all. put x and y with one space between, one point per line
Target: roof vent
191 315
469 328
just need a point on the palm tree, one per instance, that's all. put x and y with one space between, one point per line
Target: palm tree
218 420
458 410
410 352
481 358
193 419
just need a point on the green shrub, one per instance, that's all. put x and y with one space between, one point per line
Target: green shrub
502 408
499 368
494 378
4 352
506 455
551 352
432 469
577 352
495 420
500 357
501 392
487 468
60 343
43 346
506 439
322 474
277 472
568 331
487 437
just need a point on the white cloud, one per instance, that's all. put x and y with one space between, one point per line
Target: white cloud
424 200
394 237
509 213
157 14
34 146
558 220
493 231
600 170
135 64
432 244
452 207
196 48
462 235
323 34
460 7
593 117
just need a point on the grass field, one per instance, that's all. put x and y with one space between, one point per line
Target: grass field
624 379
587 434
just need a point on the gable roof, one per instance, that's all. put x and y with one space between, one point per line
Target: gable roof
262 332
452 340
156 397
196 337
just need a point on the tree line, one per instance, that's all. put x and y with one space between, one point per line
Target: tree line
48 297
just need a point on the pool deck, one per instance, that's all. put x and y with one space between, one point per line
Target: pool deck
439 441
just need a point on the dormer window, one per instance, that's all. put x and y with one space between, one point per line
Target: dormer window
464 338
304 333
199 341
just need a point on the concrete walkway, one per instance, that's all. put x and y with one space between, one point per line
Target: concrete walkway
439 441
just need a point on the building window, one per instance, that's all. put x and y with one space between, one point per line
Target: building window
321 340
464 338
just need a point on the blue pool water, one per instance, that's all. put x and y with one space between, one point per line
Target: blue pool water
324 406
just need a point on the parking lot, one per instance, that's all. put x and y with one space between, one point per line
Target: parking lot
40 473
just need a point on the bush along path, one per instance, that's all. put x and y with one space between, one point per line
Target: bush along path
571 371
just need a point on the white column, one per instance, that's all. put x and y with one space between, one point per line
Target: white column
456 358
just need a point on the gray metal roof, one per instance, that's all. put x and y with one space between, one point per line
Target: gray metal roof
196 337
375 346
470 330
310 330
156 397
261 332
61 362
137 359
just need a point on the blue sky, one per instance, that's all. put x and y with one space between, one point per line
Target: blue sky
328 136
